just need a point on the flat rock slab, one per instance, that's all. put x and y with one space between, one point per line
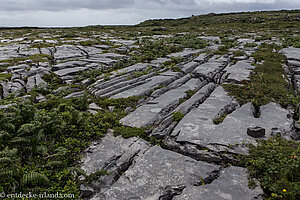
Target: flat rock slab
197 126
149 113
238 72
67 51
201 58
133 68
70 71
292 53
185 53
70 64
189 67
231 184
210 68
160 60
100 153
156 169
150 84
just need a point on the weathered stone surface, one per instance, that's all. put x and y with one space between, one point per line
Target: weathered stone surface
210 69
94 106
149 113
197 126
210 38
198 97
101 154
201 58
171 86
245 41
70 71
160 60
70 64
185 53
292 53
13 68
40 98
150 84
157 170
67 51
136 67
122 86
65 88
35 81
231 184
238 72
75 94
38 70
10 87
189 67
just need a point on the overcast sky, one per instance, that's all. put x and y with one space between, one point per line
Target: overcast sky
91 12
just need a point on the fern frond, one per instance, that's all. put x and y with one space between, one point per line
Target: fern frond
6 172
42 150
26 129
9 152
5 160
34 178
54 164
19 140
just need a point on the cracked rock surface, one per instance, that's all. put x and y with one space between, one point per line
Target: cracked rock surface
212 129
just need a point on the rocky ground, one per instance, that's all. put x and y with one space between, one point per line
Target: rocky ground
197 159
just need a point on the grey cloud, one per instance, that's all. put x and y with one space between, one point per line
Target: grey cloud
57 5
175 5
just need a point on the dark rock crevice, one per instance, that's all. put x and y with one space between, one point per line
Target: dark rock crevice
172 191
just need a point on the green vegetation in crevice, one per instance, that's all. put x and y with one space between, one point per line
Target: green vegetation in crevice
150 50
95 42
247 45
275 163
238 53
37 58
220 119
267 81
226 45
53 80
188 41
94 176
137 74
13 61
143 132
4 77
177 116
291 41
173 64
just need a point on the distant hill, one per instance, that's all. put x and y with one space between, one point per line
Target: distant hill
224 18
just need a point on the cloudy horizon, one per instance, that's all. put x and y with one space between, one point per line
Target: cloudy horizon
60 13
